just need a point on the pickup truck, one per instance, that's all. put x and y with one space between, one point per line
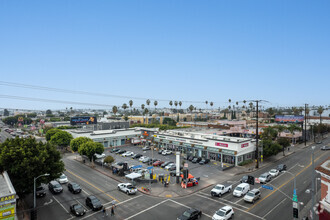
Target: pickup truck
220 189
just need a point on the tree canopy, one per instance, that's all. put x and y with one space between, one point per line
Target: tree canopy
25 159
77 142
270 148
90 148
61 139
51 132
109 160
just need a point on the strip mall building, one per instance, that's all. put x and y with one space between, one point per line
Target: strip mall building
224 149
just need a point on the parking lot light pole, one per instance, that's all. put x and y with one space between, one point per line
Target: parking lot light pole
34 189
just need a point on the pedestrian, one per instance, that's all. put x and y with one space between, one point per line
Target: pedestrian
112 211
104 212
113 203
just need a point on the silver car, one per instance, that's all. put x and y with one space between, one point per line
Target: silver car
266 177
252 195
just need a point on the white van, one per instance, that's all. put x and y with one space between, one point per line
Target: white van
241 189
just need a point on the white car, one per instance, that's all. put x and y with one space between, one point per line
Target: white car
171 166
224 213
166 152
142 158
265 177
99 156
63 179
128 154
274 172
128 188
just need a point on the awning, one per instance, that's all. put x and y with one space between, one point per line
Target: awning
133 176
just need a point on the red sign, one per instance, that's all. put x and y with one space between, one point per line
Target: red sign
244 145
221 144
145 134
257 180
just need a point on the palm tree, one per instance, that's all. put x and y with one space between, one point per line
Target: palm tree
124 107
211 104
180 103
130 104
146 111
142 107
292 128
155 104
170 103
114 109
191 108
320 111
307 112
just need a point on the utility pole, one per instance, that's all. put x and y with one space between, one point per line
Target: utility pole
257 137
305 122
313 187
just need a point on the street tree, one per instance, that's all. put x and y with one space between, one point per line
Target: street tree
51 132
5 112
155 104
191 108
124 107
77 142
25 159
320 111
269 133
114 109
270 148
49 112
90 148
130 102
61 139
109 160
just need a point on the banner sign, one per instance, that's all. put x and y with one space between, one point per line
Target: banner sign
244 145
221 144
83 120
289 118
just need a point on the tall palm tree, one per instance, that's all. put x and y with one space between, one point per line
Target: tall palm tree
307 112
206 102
130 102
180 103
191 108
146 111
142 107
320 111
170 103
211 104
114 109
155 104
124 107
148 102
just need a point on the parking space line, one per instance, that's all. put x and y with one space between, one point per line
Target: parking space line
274 207
242 210
61 205
225 200
91 184
188 207
151 207
85 192
82 205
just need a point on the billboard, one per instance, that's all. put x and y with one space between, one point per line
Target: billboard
289 118
83 120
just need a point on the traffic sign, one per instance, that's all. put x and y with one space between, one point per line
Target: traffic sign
137 166
295 205
267 187
295 198
257 180
185 165
149 168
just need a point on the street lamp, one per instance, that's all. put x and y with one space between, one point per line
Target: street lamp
34 189
313 187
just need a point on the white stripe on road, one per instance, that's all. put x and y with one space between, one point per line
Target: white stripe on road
275 207
151 207
225 200
85 192
61 205
82 205
188 207
242 210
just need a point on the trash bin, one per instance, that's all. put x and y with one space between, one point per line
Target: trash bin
161 178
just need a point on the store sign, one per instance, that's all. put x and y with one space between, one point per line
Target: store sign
161 136
181 140
221 144
228 152
244 145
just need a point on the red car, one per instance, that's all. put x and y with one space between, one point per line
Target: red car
158 163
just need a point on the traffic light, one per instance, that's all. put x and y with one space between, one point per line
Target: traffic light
250 180
185 174
295 212
33 214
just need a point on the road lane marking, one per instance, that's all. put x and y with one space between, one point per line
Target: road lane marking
61 205
91 184
188 207
224 200
242 210
284 184
274 207
151 207
82 205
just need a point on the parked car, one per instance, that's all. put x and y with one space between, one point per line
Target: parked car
128 188
93 203
160 151
77 210
196 160
319 142
74 187
241 189
190 158
265 177
114 150
166 163
55 187
137 156
220 189
121 163
142 158
120 151
158 163
244 179
190 214
166 152
128 154
146 160
170 167
204 161
63 179
274 172
281 167
325 148
146 148
252 195
225 213
40 191
100 156
151 161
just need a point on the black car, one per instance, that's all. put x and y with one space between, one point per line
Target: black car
244 179
120 163
204 161
190 214
165 164
190 158
77 210
94 203
196 160
137 156
281 167
55 187
121 152
74 187
40 191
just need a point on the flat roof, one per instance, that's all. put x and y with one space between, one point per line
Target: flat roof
6 188
105 133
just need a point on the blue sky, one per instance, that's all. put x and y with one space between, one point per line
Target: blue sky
275 50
